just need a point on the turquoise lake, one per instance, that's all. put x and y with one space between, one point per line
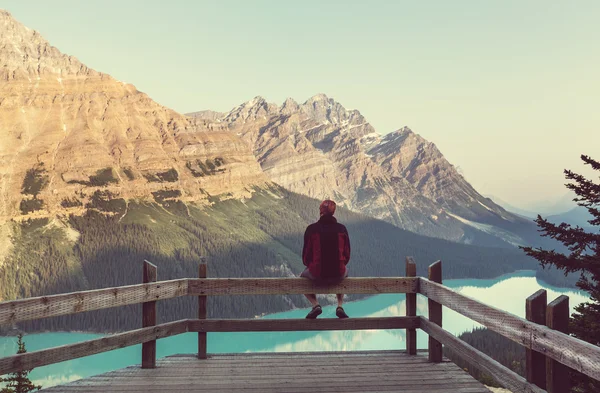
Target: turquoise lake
507 292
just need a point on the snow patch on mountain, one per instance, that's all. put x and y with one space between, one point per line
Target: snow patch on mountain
491 230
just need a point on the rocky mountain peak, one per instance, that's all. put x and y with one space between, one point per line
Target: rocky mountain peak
289 106
256 108
317 98
393 142
404 131
323 109
26 54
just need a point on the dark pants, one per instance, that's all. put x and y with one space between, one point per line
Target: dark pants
334 280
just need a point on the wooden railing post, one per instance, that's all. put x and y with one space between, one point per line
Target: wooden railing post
435 313
557 318
202 314
411 308
535 311
149 319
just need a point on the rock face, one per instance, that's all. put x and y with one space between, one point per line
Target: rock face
68 132
322 150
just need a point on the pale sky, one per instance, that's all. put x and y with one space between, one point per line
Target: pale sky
508 90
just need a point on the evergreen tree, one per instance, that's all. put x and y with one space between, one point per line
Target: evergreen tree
19 382
583 257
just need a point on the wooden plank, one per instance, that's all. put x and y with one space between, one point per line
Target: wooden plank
259 362
506 377
577 354
202 314
298 286
71 303
149 274
266 384
275 388
289 325
272 385
254 375
397 354
44 357
298 380
435 313
76 302
535 364
290 366
411 308
557 318
264 355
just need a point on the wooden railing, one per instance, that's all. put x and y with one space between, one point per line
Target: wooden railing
555 349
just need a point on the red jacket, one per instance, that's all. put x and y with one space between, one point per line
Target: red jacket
326 249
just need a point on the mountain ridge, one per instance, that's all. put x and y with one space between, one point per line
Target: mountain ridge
320 149
69 132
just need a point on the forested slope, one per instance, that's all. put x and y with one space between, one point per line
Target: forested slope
257 237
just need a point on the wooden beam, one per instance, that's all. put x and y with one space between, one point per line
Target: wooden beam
76 302
506 377
297 286
72 303
557 318
202 345
535 365
289 325
435 313
577 354
149 318
29 360
411 308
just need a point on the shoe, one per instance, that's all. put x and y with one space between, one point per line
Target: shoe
341 313
315 312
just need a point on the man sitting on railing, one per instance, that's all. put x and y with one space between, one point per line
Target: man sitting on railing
325 254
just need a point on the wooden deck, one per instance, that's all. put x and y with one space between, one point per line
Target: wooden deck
380 371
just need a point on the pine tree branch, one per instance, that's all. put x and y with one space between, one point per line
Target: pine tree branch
588 192
589 161
575 238
594 212
562 262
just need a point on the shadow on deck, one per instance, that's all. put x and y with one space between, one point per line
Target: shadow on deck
373 371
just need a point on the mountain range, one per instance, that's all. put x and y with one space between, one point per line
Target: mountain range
322 150
74 137
95 177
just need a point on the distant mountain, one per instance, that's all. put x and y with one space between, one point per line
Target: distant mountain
209 115
563 204
552 206
576 216
513 209
553 211
320 149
